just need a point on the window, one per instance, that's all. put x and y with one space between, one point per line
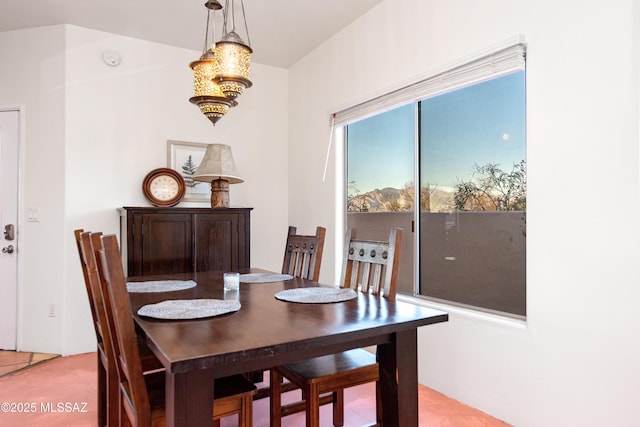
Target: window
380 182
465 239
473 175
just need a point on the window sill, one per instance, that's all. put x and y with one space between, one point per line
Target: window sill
468 313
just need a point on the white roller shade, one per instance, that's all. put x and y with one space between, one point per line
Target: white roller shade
499 61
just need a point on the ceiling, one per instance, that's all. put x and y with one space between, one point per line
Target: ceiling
281 31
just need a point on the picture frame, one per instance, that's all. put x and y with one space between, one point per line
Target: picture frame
185 157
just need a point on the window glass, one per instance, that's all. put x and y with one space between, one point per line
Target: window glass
473 181
380 182
380 153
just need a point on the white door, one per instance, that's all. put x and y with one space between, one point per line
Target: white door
8 228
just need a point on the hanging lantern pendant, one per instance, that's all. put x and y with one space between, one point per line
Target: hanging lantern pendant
206 93
223 71
233 54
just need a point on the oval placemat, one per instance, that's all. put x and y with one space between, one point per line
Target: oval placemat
316 295
264 277
160 286
189 309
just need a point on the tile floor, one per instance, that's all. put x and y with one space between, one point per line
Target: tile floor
14 361
74 379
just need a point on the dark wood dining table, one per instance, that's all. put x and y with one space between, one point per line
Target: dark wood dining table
267 332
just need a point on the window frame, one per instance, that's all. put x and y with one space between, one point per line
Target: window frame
464 73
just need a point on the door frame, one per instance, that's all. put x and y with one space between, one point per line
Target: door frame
20 222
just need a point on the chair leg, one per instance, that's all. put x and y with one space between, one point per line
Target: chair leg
275 382
245 418
113 398
312 405
338 408
378 404
102 393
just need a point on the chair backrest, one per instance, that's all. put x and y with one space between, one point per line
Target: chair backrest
133 390
371 266
92 282
303 254
90 273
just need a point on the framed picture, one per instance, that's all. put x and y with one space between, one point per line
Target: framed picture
185 157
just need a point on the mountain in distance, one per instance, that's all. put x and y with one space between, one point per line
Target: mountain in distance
382 199
391 199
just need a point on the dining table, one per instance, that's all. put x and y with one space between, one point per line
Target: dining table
266 331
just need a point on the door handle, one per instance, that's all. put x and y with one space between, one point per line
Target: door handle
9 232
8 250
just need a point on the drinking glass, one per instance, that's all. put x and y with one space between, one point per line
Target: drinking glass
231 281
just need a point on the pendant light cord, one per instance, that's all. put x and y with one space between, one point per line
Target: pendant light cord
206 33
326 162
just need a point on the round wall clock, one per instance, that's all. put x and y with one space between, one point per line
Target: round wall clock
163 187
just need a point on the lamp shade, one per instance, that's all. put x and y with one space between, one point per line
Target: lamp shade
217 163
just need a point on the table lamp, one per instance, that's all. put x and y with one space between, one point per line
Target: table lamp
218 168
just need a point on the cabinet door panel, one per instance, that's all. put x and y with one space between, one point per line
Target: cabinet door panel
217 242
167 245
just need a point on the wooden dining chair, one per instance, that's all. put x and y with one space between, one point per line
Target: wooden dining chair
303 254
302 258
369 267
88 243
107 375
142 396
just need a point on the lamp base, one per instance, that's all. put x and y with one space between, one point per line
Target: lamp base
220 193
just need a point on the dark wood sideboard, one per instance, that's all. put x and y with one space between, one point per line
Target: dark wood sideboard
182 240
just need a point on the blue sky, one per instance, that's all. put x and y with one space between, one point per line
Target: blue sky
483 123
380 150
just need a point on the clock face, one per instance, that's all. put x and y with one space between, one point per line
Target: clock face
163 187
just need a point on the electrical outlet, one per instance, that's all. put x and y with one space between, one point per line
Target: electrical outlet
52 310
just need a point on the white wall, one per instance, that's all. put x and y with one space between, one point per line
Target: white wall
32 75
94 131
575 361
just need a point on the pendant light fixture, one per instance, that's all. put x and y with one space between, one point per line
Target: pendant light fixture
206 93
223 70
233 53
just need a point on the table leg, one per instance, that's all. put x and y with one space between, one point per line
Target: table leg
189 399
398 363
